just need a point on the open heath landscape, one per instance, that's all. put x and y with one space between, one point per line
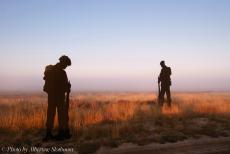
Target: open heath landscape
110 120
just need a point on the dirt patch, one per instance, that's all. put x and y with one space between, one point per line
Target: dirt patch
191 146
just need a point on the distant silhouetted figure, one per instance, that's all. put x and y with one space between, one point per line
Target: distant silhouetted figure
57 87
165 82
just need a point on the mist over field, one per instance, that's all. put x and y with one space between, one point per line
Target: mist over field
102 84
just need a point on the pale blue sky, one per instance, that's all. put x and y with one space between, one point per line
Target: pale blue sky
116 44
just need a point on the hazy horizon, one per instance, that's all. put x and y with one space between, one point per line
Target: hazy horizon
116 45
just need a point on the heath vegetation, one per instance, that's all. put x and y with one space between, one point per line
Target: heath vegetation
110 119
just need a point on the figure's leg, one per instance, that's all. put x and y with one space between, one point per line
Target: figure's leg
61 117
61 113
50 118
66 124
66 119
50 113
161 97
168 93
162 93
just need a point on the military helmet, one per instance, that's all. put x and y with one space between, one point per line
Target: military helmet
65 59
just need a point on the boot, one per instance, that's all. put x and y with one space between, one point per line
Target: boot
60 136
48 136
67 134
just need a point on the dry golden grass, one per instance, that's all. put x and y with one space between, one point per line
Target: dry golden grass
123 117
29 112
203 103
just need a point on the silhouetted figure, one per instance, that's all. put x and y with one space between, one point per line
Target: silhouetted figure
57 87
165 82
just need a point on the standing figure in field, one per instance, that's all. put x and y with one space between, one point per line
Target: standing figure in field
164 81
57 87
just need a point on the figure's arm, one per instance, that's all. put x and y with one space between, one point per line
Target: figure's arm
67 84
170 72
68 87
160 77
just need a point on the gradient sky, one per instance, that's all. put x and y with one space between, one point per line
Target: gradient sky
116 45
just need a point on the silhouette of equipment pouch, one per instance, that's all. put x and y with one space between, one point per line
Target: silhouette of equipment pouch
48 78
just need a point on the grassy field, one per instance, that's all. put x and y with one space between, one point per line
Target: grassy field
110 119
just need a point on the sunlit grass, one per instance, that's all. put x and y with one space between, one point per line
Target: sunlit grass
124 117
92 108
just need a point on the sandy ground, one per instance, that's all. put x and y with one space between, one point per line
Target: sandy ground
191 146
204 145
